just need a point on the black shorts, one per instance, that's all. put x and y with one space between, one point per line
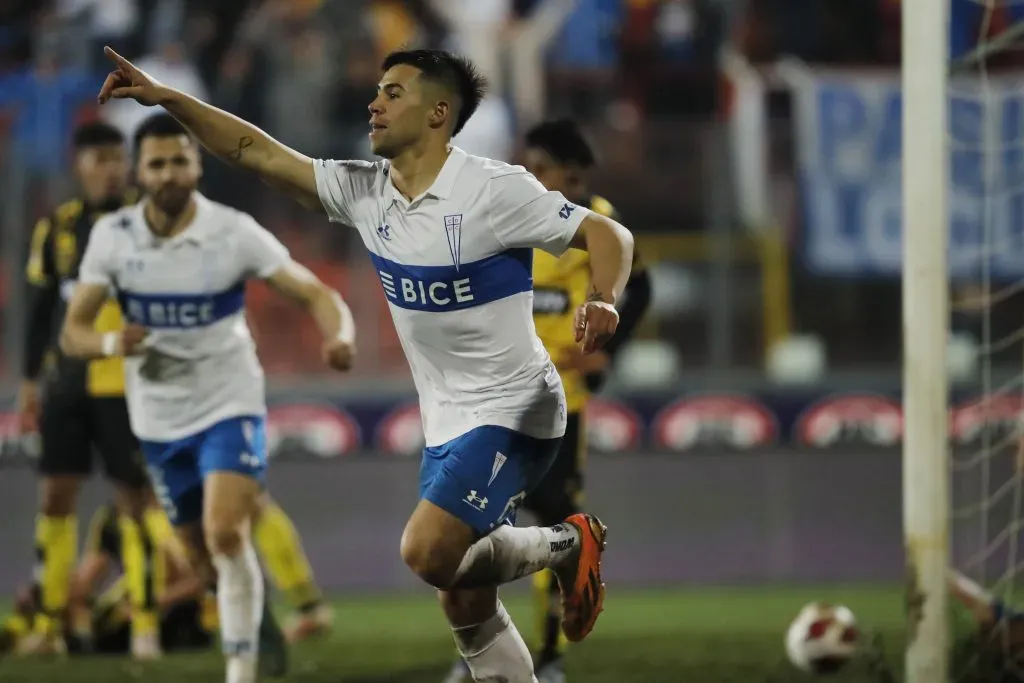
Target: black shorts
560 492
74 426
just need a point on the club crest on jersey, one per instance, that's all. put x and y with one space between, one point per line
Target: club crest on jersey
453 231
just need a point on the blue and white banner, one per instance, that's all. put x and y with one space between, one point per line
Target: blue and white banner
848 129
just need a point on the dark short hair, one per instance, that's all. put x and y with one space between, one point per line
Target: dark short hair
158 126
564 141
453 72
95 134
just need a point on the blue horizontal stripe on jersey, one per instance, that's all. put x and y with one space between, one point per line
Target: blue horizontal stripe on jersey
181 311
439 289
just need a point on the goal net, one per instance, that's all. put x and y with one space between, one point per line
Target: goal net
985 351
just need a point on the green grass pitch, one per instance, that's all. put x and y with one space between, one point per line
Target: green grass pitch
664 636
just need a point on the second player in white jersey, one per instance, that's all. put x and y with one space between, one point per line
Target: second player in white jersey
199 365
178 263
455 264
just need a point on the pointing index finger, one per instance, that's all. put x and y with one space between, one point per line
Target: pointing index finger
116 58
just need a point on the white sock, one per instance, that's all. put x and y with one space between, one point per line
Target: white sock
494 650
240 602
509 553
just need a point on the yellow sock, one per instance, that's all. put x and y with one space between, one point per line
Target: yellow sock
17 625
281 551
56 552
548 610
158 526
138 555
209 617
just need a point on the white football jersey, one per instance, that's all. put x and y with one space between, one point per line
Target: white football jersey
457 270
200 365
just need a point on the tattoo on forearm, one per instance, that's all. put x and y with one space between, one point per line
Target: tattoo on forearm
244 143
595 296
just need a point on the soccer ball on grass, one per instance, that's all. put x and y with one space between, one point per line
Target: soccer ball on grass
822 638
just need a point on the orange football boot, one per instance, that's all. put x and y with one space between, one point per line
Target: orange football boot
583 598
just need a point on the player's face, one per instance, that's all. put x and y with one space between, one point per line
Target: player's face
556 177
103 172
403 111
169 171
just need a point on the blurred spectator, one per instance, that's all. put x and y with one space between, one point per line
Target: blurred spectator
165 22
539 22
42 102
477 30
94 23
299 93
171 66
394 27
489 133
16 32
299 73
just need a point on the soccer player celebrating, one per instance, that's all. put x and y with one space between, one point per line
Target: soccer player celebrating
451 237
80 406
178 263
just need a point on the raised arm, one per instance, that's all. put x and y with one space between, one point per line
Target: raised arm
225 135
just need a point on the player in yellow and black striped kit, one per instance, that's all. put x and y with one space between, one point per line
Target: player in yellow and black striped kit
187 621
77 406
557 153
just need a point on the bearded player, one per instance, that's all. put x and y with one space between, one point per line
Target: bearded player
178 263
451 237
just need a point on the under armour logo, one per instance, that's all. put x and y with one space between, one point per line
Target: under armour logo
384 232
249 460
566 211
475 501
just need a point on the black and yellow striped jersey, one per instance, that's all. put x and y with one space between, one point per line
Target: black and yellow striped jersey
560 285
55 252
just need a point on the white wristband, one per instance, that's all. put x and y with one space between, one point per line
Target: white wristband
110 343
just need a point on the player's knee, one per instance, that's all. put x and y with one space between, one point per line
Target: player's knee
434 543
223 539
430 558
429 566
58 496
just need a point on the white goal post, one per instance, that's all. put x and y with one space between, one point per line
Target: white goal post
926 488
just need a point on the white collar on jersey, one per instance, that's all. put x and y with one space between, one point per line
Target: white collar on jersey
196 232
443 184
